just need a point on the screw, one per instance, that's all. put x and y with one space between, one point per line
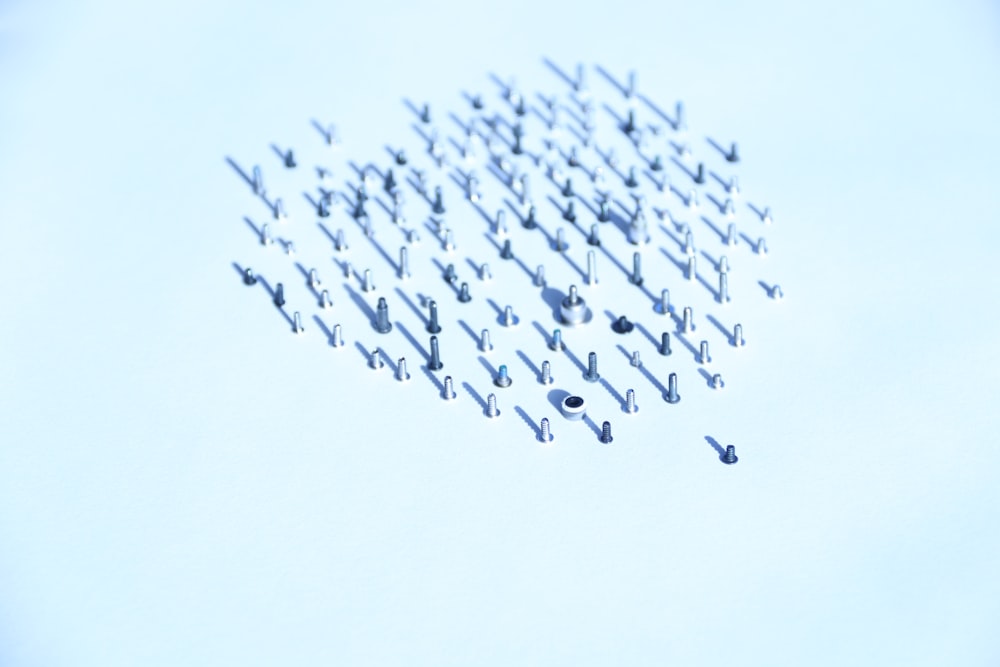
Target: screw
672 395
591 268
703 357
491 406
732 155
687 324
463 294
776 293
529 221
629 126
401 373
500 225
622 325
556 343
382 323
663 305
730 457
724 288
432 323
593 239
765 216
448 244
375 360
257 182
297 322
567 190
248 277
324 300
509 319
540 276
561 244
656 164
688 243
635 360
569 215
338 336
265 234
729 209
449 274
692 200
604 212
546 377
717 382
699 176
545 435
692 270
630 180
449 389
279 210
404 263
484 341
366 284
425 114
738 336
761 247
606 433
731 234
723 264
339 243
630 406
592 375
438 206
664 348
502 379
435 363
279 295
506 252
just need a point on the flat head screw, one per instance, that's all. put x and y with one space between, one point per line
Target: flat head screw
279 295
546 376
509 318
502 379
622 325
339 242
539 280
738 336
484 341
603 212
703 357
592 375
438 206
606 433
337 340
724 288
692 268
687 323
463 294
505 251
631 181
663 305
556 344
448 393
491 406
761 247
594 239
257 181
375 360
672 395
717 382
265 235
425 114
561 244
401 373
630 406
591 268
382 323
731 235
699 176
449 274
730 457
732 155
435 362
404 263
248 277
324 300
636 277
279 210
569 215
688 243
529 221
366 283
432 321
297 322
664 347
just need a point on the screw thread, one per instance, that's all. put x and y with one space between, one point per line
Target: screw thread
606 432
491 405
546 373
630 400
449 388
546 434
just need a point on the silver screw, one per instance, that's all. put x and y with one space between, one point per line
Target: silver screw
339 242
776 293
630 406
635 359
491 406
592 375
636 277
689 244
717 382
556 343
484 341
672 395
500 225
382 323
723 264
375 360
546 434
509 319
502 379
731 234
265 234
257 181
401 373
449 241
449 389
324 300
687 325
591 268
724 288
366 284
314 281
561 244
664 348
485 273
663 305
297 323
703 357
761 246
540 276
546 373
338 336
692 270
738 336
404 263
279 210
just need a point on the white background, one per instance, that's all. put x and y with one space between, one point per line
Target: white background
182 481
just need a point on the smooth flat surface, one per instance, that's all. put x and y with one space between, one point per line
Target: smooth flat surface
183 481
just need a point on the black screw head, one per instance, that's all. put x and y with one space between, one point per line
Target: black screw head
248 277
622 325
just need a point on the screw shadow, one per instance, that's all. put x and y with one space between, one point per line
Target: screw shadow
719 449
529 421
472 392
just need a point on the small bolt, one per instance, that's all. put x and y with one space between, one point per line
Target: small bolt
630 406
491 406
401 373
636 277
529 221
692 200
728 209
484 341
435 362
656 164
448 244
738 336
703 357
592 375
382 323
449 389
297 322
717 382
375 360
672 395
765 216
545 435
556 343
622 325
248 277
509 318
500 224
730 457
323 207
606 433
664 348
463 294
337 340
432 322
546 377
279 295
731 234
502 379
723 264
636 363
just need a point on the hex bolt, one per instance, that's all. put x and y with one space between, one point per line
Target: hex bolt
382 323
435 361
592 375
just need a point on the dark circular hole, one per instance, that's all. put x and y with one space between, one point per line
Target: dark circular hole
574 402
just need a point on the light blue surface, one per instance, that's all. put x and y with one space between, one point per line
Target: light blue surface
182 482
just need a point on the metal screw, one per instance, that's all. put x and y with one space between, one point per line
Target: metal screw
382 323
279 210
591 268
449 274
545 435
730 457
687 324
324 300
404 263
449 389
723 264
699 176
338 336
731 235
688 243
257 181
265 234
484 341
606 433
432 322
366 284
540 276
717 382
502 379
401 373
485 273
636 363
761 247
672 395
604 212
664 348
463 294
776 293
592 375
438 206
630 406
279 295
491 406
248 277
505 251
561 244
692 270
663 305
557 342
339 242
594 239
732 155
738 336
622 325
297 323
703 357
546 373
435 362
636 277
724 288
375 360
